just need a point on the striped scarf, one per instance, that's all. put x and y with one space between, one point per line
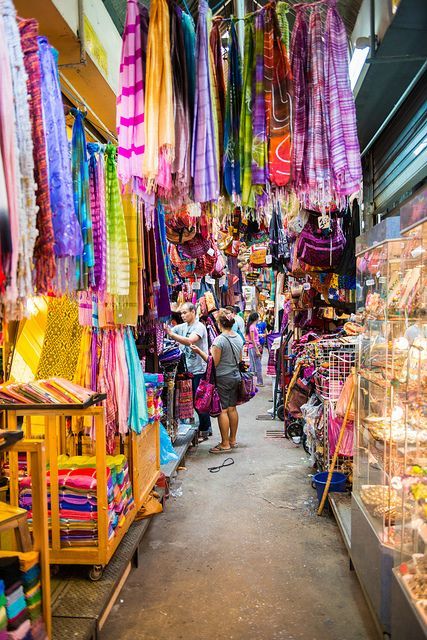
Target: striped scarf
97 207
259 141
300 125
44 255
318 160
130 100
117 246
80 171
216 51
159 119
232 118
277 95
343 142
248 197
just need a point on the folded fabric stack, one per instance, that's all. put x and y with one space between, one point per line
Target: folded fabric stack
21 597
50 391
78 508
154 386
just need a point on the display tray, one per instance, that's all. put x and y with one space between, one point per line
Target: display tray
53 406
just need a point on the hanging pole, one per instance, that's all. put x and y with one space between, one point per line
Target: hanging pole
239 12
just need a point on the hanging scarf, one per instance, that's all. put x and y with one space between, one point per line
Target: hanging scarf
80 170
232 117
106 384
9 201
216 51
181 164
158 95
277 96
130 100
68 235
343 140
318 161
246 116
126 307
97 207
24 149
138 411
190 59
282 10
299 49
5 239
204 162
259 141
162 293
44 255
117 246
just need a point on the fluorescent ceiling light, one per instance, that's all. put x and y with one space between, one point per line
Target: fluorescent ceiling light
420 147
356 65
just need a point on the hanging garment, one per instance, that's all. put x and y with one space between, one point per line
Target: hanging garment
80 171
126 307
282 10
204 161
181 166
106 384
259 140
299 50
232 117
318 161
68 235
216 50
97 207
341 112
24 152
159 120
246 132
121 379
278 99
138 413
130 100
9 221
190 58
117 246
162 293
44 255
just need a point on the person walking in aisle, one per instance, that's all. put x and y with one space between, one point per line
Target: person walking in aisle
193 332
226 352
254 347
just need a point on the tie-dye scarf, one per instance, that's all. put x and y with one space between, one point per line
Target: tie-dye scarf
232 118
299 50
259 140
246 133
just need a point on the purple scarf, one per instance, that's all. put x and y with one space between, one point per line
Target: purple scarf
259 140
300 123
204 163
97 206
343 142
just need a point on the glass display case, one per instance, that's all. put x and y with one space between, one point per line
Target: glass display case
410 573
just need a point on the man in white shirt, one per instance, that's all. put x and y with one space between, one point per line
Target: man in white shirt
193 332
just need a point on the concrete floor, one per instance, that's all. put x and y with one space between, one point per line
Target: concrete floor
241 554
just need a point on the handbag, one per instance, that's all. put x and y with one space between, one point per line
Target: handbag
206 399
197 247
247 389
319 250
184 407
258 256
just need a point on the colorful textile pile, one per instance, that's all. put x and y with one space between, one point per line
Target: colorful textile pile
51 391
21 615
154 383
78 510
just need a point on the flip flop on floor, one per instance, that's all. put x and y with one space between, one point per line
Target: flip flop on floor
218 449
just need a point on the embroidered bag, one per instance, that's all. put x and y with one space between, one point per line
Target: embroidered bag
320 250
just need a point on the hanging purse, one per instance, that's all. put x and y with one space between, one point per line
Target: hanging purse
320 250
206 399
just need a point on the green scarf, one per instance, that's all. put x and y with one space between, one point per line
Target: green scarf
248 194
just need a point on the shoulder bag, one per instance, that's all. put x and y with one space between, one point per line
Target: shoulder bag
247 389
206 399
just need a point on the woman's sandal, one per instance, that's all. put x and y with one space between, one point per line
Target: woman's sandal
234 445
218 449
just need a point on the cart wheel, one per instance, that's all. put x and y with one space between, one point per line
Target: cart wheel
294 431
281 413
95 573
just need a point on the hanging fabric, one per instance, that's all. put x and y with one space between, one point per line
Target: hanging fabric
126 307
159 121
278 97
299 65
282 10
97 207
190 59
44 255
204 161
246 131
259 140
138 412
232 117
215 44
130 101
68 235
341 112
80 171
117 246
24 147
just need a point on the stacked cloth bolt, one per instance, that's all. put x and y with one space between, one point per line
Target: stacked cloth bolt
20 597
78 508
